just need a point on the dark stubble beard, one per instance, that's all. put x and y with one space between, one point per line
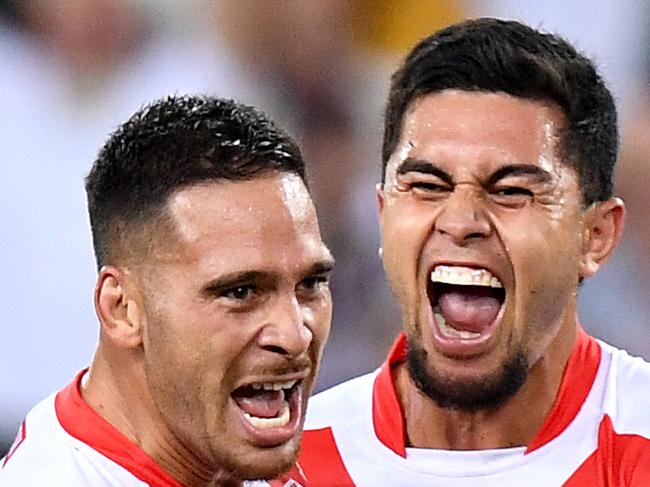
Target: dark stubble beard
469 395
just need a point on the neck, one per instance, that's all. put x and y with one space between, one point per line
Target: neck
515 423
119 394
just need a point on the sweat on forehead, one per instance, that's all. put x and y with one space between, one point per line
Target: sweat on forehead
494 130
175 142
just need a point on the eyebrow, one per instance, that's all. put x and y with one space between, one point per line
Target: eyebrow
512 170
324 266
235 279
426 167
411 164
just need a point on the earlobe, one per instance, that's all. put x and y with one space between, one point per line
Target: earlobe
116 309
603 229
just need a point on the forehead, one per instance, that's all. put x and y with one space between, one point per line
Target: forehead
235 223
480 126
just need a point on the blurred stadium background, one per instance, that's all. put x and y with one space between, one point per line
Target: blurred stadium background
71 70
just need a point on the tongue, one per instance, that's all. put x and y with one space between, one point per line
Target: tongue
262 404
469 308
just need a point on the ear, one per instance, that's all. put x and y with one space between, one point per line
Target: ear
379 190
604 222
118 307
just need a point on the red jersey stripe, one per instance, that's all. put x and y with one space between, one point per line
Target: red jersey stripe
321 461
578 377
85 424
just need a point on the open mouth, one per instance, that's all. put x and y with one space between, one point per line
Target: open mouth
466 302
269 405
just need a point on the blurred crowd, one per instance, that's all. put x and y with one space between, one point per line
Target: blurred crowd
72 70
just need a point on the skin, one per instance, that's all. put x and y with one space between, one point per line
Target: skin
477 180
237 293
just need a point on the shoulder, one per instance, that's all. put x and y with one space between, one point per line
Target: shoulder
44 454
38 456
624 433
341 403
335 417
627 397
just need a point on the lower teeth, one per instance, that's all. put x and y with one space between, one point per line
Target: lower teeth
451 332
264 423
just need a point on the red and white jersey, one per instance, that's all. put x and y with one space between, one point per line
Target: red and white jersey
597 433
63 442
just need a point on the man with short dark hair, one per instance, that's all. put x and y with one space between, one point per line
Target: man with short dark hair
496 202
214 306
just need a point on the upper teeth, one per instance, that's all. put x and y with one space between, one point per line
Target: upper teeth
464 276
274 386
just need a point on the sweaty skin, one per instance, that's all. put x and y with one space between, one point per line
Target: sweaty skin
477 181
234 293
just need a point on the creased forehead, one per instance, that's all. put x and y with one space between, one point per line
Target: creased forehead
474 118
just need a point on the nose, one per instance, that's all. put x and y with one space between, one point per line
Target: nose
462 216
285 331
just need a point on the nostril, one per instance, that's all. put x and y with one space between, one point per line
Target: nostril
276 349
463 235
475 235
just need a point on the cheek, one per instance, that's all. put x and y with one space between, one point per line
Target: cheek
173 393
541 242
186 339
183 353
321 320
545 260
405 231
562 241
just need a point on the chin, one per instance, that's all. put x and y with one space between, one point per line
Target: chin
477 392
268 463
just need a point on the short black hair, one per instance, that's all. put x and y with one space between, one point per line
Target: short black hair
495 55
173 143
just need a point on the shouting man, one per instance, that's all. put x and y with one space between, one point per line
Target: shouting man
214 307
496 203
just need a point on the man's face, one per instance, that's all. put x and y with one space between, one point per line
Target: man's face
482 242
237 309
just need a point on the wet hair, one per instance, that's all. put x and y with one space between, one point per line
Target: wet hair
171 144
494 55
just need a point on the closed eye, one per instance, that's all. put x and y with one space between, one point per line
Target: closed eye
429 186
513 191
424 186
512 196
